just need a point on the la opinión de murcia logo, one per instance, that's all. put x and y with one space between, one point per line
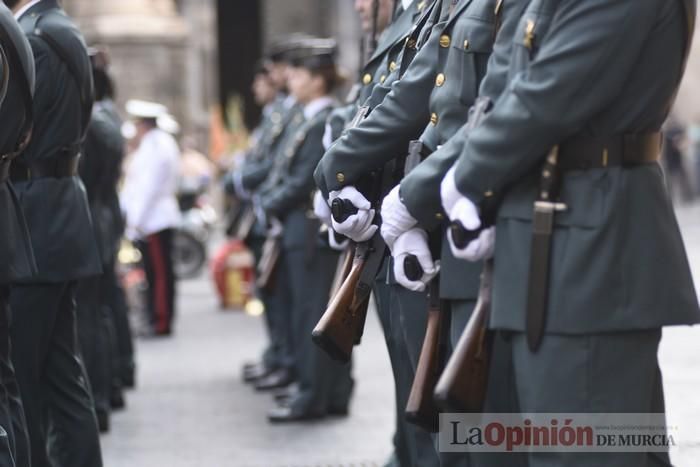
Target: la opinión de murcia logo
555 432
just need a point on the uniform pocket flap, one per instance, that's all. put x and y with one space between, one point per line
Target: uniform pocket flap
472 35
584 194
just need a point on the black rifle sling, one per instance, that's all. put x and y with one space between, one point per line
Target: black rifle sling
85 94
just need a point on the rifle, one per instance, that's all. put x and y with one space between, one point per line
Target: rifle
421 409
342 324
270 256
342 271
462 386
244 223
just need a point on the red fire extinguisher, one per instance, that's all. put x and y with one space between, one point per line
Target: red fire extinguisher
232 269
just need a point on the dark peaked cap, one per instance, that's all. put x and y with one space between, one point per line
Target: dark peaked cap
279 49
314 54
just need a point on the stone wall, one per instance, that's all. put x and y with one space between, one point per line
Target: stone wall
155 54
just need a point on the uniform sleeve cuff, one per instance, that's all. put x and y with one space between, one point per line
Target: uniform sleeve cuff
428 215
468 187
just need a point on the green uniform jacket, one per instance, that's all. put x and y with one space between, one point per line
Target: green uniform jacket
380 68
260 159
103 145
420 189
16 256
433 97
56 209
598 68
287 192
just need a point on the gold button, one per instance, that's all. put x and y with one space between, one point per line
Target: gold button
411 43
421 5
529 34
466 44
382 78
444 41
367 78
340 177
488 194
392 66
439 216
439 80
433 118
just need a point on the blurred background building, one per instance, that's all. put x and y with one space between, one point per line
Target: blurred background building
197 56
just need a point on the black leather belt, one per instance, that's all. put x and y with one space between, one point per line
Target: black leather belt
578 153
585 152
61 167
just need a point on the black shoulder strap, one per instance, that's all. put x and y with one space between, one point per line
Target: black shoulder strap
13 61
411 44
85 94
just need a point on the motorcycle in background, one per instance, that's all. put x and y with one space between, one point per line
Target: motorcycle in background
190 240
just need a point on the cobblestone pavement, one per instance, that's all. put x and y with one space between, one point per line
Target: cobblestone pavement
192 410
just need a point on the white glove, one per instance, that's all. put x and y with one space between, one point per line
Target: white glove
414 242
359 226
449 192
321 209
465 212
333 242
395 218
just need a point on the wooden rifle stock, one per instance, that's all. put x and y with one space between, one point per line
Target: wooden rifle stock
462 386
341 326
421 409
342 271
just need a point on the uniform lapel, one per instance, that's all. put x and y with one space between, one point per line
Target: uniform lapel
461 6
397 30
41 7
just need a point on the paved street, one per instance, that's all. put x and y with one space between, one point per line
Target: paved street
191 409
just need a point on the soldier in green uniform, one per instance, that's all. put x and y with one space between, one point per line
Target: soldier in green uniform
285 198
16 256
579 302
102 152
396 47
438 88
272 369
53 384
112 292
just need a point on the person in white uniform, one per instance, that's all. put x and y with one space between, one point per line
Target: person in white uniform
150 206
